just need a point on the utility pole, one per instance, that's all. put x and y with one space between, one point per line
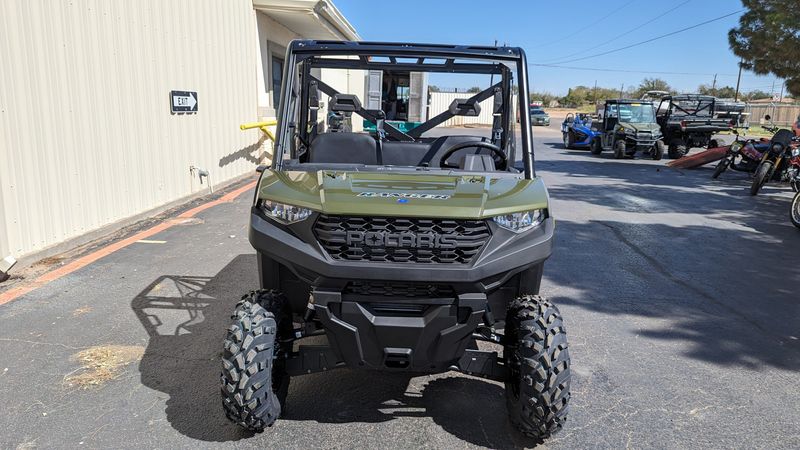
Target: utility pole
491 77
621 88
714 86
594 93
738 80
780 99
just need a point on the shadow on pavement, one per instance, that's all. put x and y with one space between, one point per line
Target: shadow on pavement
186 318
473 410
731 304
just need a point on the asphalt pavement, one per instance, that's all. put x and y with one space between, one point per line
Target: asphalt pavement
678 292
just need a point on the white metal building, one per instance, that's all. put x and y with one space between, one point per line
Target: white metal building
87 137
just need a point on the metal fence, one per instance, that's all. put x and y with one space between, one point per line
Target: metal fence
440 102
782 115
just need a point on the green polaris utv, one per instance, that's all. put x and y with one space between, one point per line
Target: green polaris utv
628 127
403 248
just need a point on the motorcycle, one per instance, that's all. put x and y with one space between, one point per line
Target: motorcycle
742 155
774 161
792 173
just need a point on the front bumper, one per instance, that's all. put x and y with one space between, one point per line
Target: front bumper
369 334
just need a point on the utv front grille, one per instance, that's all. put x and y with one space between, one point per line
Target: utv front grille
401 240
399 289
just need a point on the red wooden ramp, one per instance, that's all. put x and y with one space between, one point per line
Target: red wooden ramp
699 159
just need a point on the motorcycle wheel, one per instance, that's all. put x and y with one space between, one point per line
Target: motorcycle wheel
722 166
760 178
795 212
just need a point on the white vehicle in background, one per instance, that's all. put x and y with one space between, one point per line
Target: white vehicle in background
655 97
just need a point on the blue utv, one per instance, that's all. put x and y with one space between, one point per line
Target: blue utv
578 132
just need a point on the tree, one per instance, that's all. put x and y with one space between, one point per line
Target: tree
434 88
474 89
581 95
755 95
650 84
545 97
721 92
768 40
575 96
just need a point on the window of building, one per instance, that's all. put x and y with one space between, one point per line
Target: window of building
277 74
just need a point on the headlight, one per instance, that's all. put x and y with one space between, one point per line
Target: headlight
283 213
735 147
777 148
520 221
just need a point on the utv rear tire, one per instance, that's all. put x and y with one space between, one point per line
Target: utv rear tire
658 150
619 149
254 380
597 147
761 177
677 149
537 357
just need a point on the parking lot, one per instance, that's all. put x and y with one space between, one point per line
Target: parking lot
679 295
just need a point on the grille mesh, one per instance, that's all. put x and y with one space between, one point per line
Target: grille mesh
399 289
398 239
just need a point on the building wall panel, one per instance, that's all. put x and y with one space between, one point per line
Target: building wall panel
86 135
440 102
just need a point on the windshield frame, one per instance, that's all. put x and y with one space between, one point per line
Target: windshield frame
506 62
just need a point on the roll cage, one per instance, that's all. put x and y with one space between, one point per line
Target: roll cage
301 88
688 105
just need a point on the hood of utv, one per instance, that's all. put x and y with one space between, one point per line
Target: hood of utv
465 196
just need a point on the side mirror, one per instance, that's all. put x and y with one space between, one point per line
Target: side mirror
767 117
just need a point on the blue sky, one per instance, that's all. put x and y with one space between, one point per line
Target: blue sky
552 31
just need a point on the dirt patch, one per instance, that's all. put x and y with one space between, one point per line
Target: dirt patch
102 364
81 311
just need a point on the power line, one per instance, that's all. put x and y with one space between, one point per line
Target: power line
600 69
548 44
623 34
652 39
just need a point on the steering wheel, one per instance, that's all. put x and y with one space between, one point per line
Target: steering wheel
498 155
